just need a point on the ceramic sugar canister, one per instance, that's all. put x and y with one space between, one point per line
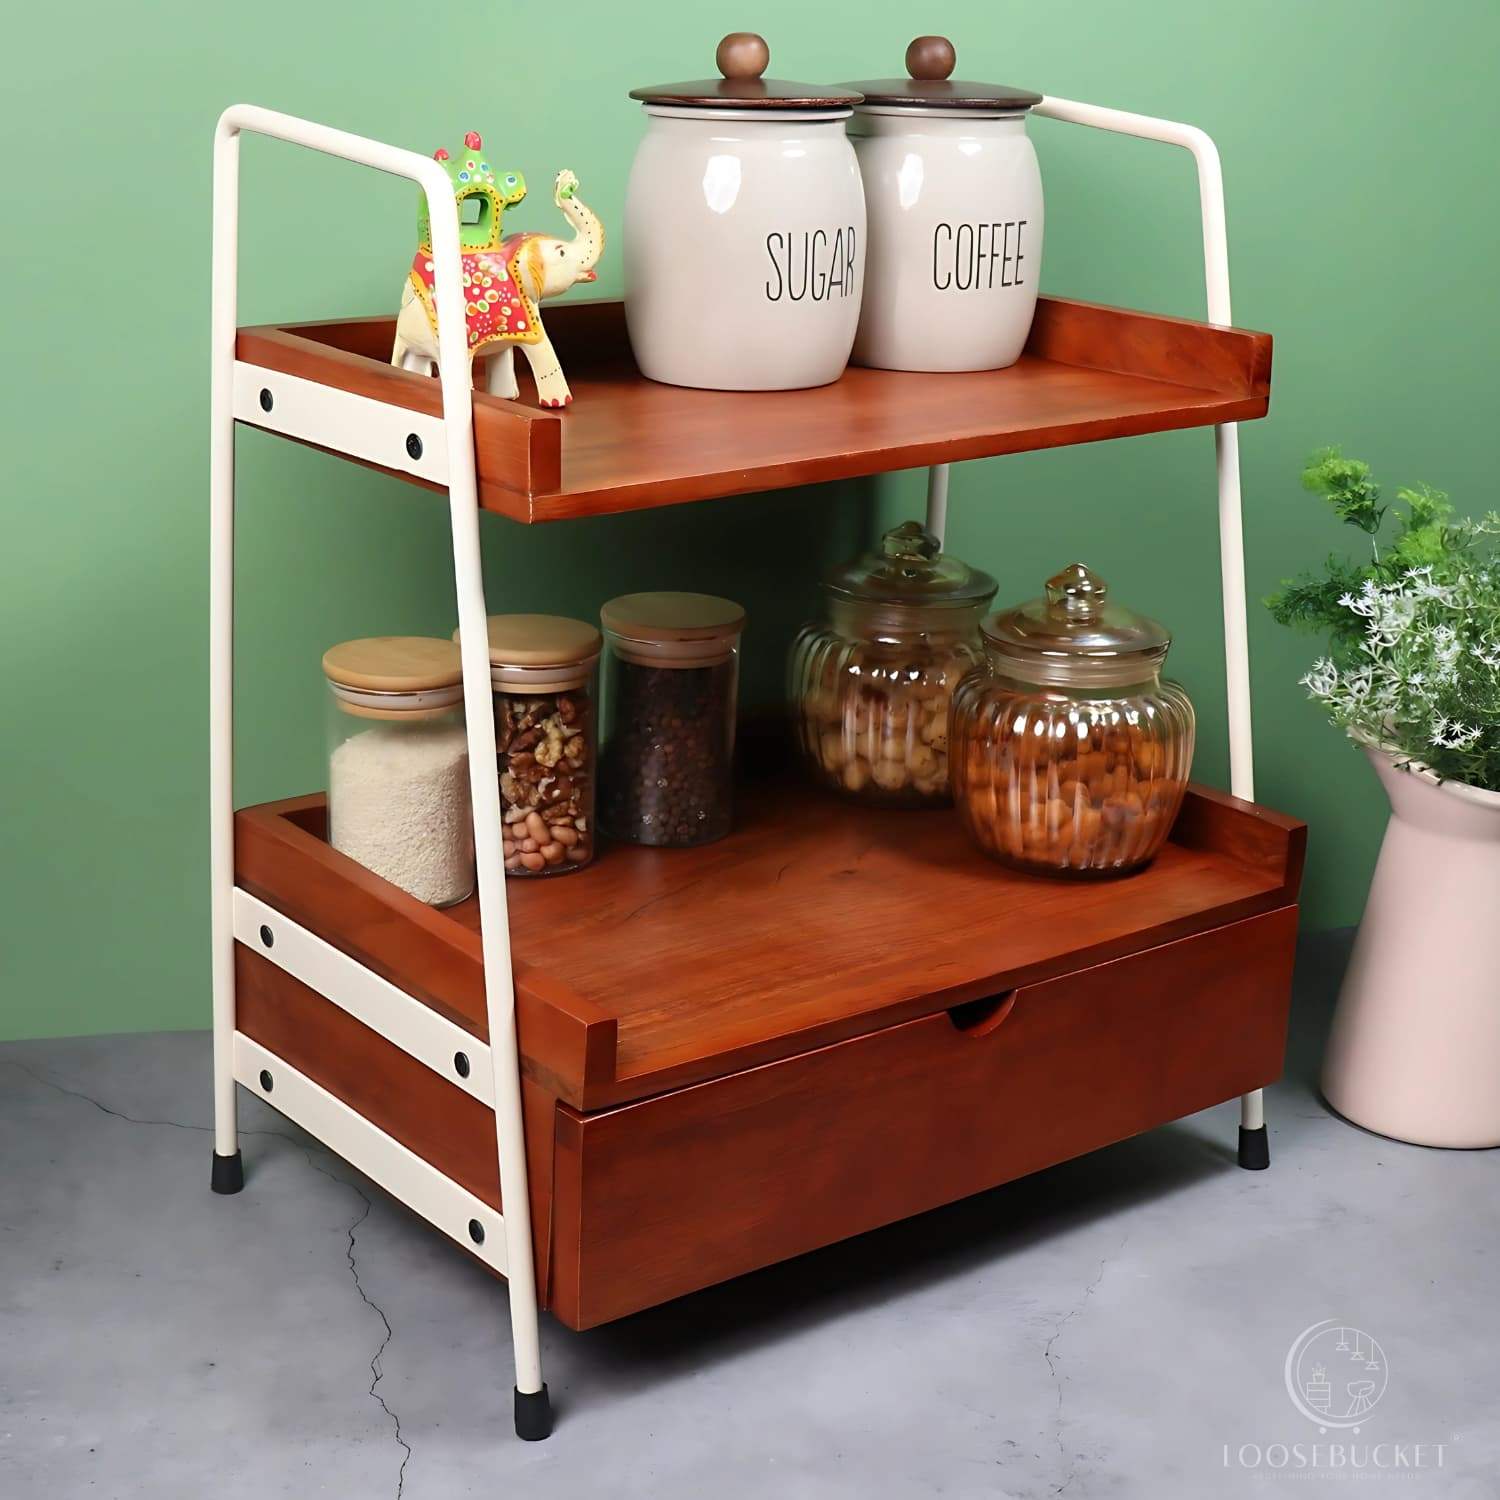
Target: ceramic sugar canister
954 200
744 233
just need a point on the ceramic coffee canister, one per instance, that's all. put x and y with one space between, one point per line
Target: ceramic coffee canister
954 199
744 229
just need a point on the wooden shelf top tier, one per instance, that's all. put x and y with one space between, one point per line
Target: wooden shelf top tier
814 921
628 443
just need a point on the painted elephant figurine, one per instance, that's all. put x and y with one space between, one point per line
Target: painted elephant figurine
503 286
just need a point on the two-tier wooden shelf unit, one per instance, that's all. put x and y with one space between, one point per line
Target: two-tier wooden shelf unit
680 1065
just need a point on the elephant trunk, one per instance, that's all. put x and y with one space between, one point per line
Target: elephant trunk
588 232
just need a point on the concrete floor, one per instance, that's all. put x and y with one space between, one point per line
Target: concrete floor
1116 1327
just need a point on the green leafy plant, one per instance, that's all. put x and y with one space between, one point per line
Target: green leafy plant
1414 633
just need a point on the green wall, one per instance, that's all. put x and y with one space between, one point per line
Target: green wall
1357 139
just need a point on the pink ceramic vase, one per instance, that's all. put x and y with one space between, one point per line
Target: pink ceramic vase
1415 1048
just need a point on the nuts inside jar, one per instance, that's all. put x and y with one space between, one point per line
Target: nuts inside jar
1101 796
544 743
875 724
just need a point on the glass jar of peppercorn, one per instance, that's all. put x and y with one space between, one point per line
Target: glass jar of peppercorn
671 680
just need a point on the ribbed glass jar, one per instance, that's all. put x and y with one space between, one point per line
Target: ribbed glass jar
1082 772
869 688
870 701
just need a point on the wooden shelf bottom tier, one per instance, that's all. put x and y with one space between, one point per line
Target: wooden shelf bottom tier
815 921
832 1020
635 1205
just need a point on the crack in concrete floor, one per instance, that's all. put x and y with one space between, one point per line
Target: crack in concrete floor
1061 1382
306 1148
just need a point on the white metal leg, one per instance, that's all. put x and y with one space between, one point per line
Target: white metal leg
361 426
226 195
1226 445
937 500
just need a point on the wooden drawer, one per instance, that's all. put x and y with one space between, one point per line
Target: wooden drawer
670 1194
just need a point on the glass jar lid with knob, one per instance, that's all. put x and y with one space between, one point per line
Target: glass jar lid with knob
907 584
1075 636
1070 752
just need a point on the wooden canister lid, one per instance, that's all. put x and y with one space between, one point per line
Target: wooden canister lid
930 61
673 617
542 653
742 57
393 664
673 630
540 641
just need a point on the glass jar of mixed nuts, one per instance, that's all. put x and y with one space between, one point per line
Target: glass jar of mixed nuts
1070 754
671 680
542 671
870 689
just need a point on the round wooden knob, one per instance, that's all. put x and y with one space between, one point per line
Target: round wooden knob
931 58
742 54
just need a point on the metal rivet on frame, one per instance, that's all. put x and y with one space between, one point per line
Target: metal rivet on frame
266 1081
267 937
413 445
461 1064
476 1231
267 400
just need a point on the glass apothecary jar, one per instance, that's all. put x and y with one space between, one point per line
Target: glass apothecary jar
1071 755
398 764
671 683
542 670
870 687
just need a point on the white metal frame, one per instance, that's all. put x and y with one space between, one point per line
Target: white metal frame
440 450
1226 442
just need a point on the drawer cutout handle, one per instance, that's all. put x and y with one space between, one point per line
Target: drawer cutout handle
981 1017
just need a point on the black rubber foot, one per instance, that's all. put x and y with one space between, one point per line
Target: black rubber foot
533 1415
229 1173
1255 1149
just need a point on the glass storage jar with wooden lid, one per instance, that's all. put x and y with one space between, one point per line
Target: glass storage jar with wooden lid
671 681
870 687
398 764
1071 754
542 673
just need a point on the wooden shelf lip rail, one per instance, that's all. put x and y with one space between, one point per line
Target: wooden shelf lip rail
592 1056
1090 373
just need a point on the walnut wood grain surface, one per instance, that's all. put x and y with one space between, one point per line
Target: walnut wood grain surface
628 443
814 921
674 1193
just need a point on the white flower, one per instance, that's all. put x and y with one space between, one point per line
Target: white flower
1321 679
